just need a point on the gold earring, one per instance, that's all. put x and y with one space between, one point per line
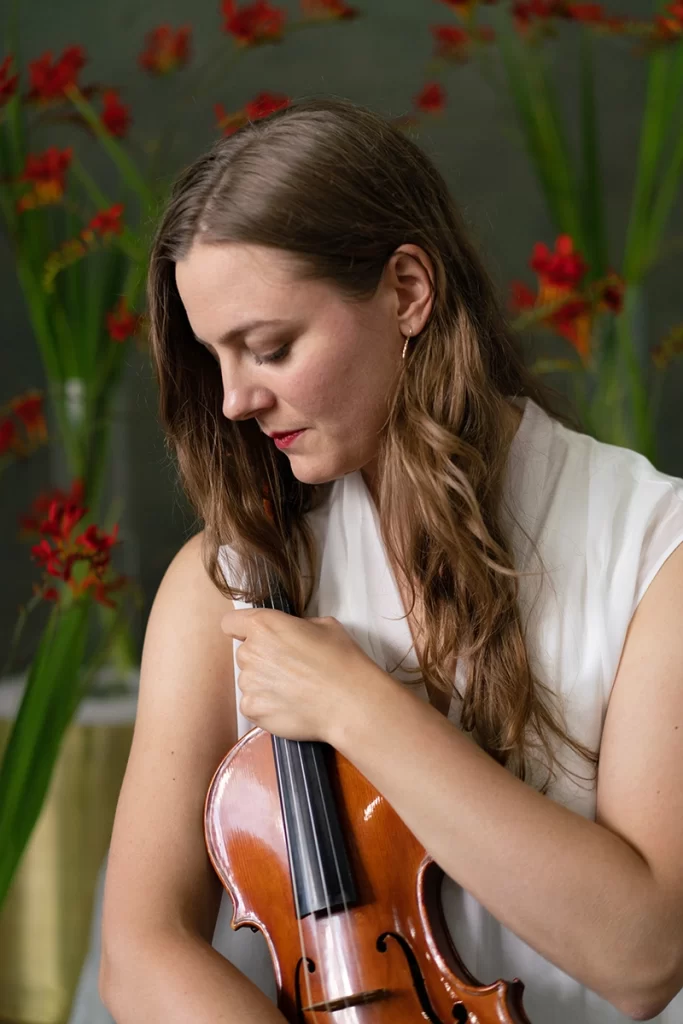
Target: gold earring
410 331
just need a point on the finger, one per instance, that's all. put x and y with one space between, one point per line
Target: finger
235 623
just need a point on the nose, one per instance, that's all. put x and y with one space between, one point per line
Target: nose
243 399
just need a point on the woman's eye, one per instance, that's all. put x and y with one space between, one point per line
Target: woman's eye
274 358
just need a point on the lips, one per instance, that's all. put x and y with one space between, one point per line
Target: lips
285 433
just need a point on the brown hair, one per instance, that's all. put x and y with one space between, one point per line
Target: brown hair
339 188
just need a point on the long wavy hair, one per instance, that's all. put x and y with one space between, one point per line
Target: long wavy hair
339 189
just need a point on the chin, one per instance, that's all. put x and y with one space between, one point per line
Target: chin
311 471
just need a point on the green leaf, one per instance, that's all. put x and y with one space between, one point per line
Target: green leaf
652 138
542 128
127 169
592 201
52 692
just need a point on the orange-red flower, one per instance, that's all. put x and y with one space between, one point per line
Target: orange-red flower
8 82
9 437
560 282
59 552
454 43
115 115
49 81
22 424
28 408
327 9
101 227
31 522
121 322
537 15
261 106
106 222
561 269
47 172
166 50
258 22
668 27
431 99
464 8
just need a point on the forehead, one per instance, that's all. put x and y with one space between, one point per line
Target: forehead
238 281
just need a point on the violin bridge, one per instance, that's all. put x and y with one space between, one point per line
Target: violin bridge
345 1001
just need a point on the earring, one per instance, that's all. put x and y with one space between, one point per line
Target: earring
410 331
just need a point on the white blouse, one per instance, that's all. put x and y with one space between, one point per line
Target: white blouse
604 520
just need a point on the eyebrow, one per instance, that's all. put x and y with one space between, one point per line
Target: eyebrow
245 328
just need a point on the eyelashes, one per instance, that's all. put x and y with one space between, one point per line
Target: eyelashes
274 358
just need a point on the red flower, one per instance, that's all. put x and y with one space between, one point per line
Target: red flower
103 588
41 506
611 292
258 22
61 518
50 165
524 12
560 275
464 8
669 26
49 81
264 104
564 268
58 553
261 106
9 438
47 171
450 41
323 9
115 115
29 409
107 222
121 323
166 50
8 83
431 99
589 14
453 43
99 544
522 296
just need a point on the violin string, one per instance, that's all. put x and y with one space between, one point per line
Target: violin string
328 905
302 944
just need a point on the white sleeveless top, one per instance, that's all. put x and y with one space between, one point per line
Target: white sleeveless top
604 521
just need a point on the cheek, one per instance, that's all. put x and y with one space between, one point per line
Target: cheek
323 388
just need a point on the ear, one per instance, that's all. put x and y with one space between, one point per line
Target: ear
410 272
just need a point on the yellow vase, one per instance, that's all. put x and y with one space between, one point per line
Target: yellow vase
45 921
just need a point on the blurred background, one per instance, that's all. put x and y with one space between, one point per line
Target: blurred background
558 126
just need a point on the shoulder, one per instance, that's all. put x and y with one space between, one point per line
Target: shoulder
582 497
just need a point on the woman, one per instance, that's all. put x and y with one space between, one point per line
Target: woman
469 566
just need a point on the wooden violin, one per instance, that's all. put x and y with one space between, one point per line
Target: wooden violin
344 894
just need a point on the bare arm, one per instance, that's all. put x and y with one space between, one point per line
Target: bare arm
601 899
161 895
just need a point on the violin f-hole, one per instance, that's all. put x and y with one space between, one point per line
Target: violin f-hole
418 980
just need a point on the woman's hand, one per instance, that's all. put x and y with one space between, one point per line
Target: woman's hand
298 676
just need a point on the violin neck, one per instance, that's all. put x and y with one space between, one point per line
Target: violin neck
318 858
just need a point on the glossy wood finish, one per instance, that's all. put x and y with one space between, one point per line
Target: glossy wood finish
386 960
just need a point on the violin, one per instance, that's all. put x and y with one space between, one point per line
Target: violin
344 894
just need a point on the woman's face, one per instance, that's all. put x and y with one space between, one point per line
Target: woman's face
316 361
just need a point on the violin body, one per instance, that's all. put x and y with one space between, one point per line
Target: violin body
379 953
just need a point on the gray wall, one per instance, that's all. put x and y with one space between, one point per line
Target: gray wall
379 60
